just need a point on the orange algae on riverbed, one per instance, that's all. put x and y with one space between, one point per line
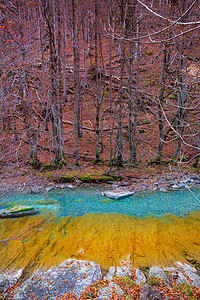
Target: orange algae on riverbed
106 239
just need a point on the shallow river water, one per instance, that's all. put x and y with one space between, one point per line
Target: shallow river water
145 229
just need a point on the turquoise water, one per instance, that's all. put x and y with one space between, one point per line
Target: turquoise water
81 201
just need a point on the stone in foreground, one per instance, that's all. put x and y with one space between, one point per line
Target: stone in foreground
118 194
106 292
71 275
18 211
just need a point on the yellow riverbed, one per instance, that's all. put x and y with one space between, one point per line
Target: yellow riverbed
105 239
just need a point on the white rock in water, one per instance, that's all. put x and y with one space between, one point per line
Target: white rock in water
163 190
118 194
50 188
175 187
69 186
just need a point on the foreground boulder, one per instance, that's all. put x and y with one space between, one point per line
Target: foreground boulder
9 279
135 274
150 293
106 292
71 275
18 211
157 272
184 273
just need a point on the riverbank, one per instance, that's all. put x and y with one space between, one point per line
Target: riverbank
140 178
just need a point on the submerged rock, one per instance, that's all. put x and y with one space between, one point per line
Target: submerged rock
71 275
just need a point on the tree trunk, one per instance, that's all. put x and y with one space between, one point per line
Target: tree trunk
164 67
76 78
119 160
56 107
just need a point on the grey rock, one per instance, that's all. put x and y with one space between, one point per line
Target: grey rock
158 273
115 185
4 283
50 188
124 272
140 277
106 292
175 187
118 194
182 279
188 272
109 276
181 185
71 275
187 186
13 276
150 293
69 186
163 190
34 190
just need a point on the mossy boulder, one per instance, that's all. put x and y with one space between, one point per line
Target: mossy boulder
18 211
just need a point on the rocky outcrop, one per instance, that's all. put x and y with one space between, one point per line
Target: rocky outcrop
75 275
71 275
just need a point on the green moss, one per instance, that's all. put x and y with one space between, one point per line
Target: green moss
54 165
153 281
186 289
65 179
147 121
35 163
141 130
88 178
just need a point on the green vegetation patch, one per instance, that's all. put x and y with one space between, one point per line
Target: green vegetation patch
65 179
153 281
94 178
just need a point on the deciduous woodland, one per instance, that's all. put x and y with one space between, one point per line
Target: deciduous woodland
105 81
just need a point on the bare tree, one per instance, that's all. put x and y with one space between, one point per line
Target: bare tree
56 105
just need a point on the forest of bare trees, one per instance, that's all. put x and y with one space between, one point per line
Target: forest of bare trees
110 80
